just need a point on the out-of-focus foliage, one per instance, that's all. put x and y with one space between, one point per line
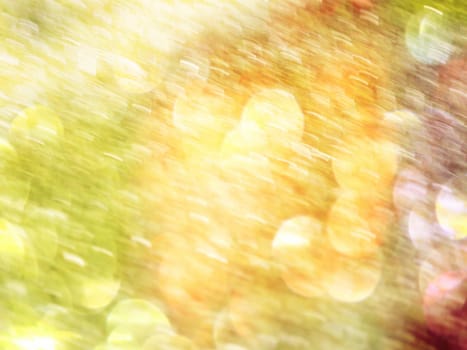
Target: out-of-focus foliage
232 174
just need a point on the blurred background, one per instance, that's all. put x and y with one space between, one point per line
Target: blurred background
233 175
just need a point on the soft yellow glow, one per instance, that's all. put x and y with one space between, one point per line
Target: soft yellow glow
7 151
221 329
36 343
354 280
295 233
451 207
122 336
98 293
403 121
279 115
12 248
169 342
363 164
136 313
245 138
348 226
129 75
300 247
201 115
37 123
40 337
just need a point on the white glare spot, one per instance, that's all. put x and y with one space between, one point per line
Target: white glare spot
74 259
141 240
36 343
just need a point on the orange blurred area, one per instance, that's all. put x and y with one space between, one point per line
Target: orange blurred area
247 159
356 224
